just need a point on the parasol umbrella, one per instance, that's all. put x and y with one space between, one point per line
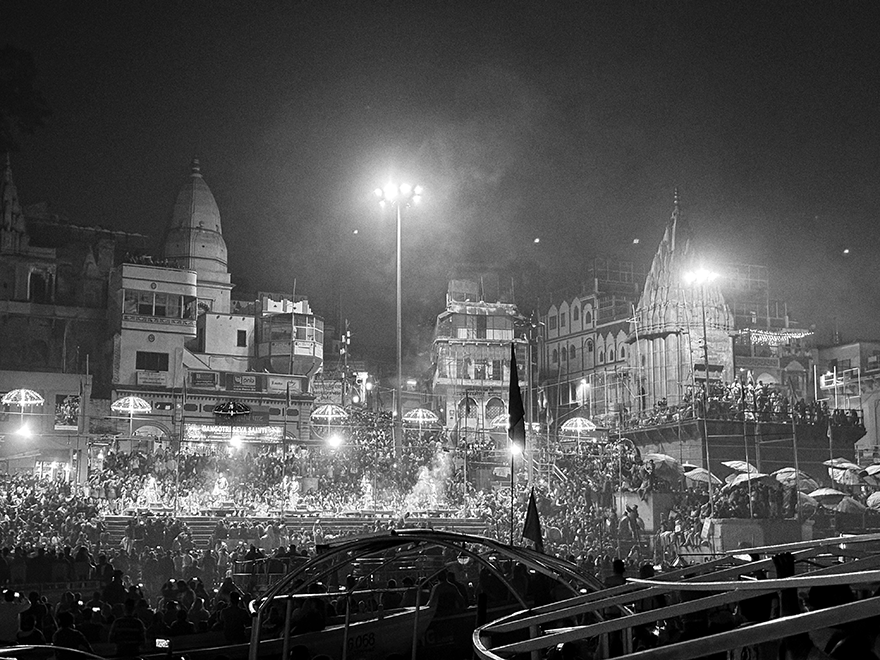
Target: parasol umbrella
665 467
231 409
840 464
701 475
846 476
872 470
131 405
23 398
329 413
807 503
874 501
850 505
577 425
688 466
787 477
740 466
420 417
827 495
500 422
745 477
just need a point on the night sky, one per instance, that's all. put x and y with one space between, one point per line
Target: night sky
571 122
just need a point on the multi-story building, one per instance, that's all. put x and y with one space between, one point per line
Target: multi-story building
471 359
87 318
212 367
583 346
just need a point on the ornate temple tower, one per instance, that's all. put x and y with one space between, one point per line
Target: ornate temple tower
667 330
194 241
13 235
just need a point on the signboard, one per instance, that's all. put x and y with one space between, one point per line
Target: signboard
327 390
278 384
225 432
152 378
67 407
205 379
245 382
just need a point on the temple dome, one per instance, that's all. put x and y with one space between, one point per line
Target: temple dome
194 239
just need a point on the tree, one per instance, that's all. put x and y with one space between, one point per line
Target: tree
22 107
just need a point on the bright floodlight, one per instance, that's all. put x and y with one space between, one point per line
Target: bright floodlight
405 189
699 276
235 441
515 449
379 192
418 190
24 431
334 441
389 193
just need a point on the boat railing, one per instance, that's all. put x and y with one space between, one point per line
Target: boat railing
716 584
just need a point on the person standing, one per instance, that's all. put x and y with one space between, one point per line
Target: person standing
11 606
68 637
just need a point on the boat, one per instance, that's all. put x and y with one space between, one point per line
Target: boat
691 594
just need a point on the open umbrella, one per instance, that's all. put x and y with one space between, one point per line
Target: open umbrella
745 477
827 495
701 475
740 466
231 408
420 417
808 504
665 467
874 501
850 505
23 398
688 466
787 477
131 405
840 464
329 413
873 470
846 476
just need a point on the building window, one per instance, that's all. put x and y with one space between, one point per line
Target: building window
571 353
622 352
555 356
611 355
562 319
601 357
553 322
481 327
589 346
241 338
588 317
151 361
575 313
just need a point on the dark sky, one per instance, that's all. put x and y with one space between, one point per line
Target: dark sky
571 122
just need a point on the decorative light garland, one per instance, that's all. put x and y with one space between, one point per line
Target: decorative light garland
774 337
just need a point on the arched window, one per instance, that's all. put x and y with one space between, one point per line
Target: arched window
611 355
494 408
588 317
575 313
571 353
555 356
467 408
589 346
622 352
601 356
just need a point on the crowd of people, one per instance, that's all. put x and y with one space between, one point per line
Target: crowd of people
738 401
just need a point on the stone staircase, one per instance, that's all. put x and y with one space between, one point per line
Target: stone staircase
202 527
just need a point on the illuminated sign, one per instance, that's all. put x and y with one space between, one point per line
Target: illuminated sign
225 432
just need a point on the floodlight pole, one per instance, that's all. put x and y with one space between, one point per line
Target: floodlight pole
398 401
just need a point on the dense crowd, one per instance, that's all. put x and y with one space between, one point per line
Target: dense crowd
738 401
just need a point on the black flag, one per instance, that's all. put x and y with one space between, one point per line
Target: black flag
532 526
516 426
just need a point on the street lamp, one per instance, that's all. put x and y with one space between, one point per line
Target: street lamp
702 277
400 197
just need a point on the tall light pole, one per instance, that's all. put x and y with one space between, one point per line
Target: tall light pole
701 277
400 197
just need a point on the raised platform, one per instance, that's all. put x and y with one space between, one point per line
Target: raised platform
769 444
